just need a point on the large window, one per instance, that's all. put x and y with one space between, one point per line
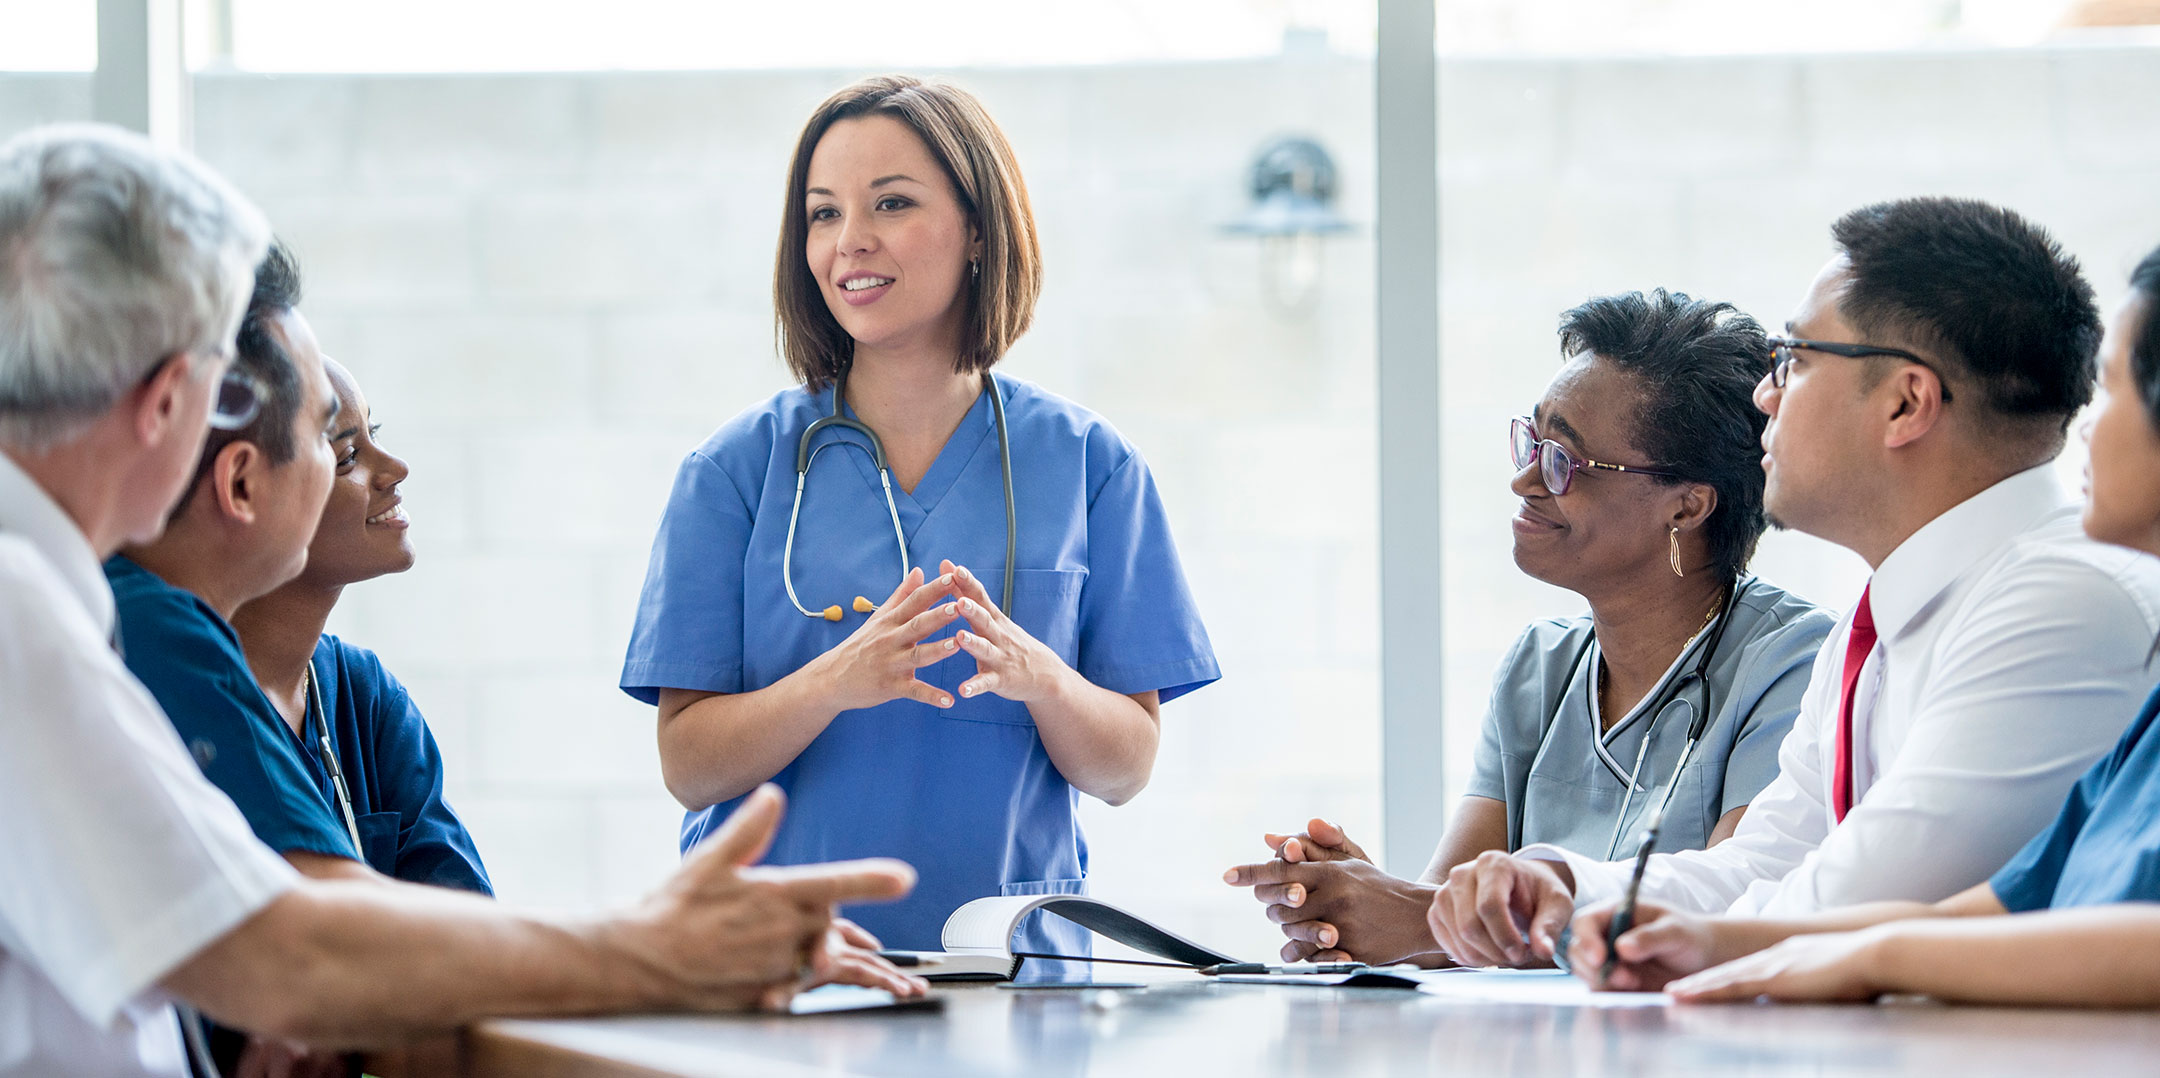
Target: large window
541 232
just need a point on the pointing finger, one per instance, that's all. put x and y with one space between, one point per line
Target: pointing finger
870 879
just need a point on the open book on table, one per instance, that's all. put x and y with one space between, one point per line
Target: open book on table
978 937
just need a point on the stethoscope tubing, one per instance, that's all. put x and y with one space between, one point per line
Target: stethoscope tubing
1696 726
805 455
330 763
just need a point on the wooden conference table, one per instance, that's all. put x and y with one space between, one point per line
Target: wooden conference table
1191 1027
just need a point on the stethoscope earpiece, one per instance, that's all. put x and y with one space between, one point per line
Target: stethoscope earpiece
862 606
830 613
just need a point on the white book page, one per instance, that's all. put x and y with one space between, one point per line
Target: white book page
985 926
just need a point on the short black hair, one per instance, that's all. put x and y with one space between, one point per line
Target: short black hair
1698 363
2145 346
260 353
1983 289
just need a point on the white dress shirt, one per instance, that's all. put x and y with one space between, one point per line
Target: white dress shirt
2011 654
118 860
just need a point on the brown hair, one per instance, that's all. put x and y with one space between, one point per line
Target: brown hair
979 163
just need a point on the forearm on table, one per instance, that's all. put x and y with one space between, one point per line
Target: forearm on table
2098 956
1103 742
1738 936
722 745
350 963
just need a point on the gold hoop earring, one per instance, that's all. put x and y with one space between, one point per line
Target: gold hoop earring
1675 549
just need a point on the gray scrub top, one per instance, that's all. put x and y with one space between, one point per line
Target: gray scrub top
1541 752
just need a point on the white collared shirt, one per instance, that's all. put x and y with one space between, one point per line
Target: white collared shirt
118 860
2011 654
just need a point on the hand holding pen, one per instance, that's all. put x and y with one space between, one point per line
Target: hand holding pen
1661 945
1592 940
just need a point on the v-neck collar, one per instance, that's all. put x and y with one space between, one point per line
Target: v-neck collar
1676 675
976 427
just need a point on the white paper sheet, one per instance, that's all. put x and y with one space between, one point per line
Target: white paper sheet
1547 987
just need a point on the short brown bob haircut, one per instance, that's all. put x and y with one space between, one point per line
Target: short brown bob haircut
979 163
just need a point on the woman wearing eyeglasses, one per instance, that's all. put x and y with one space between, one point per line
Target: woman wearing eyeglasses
1642 491
933 603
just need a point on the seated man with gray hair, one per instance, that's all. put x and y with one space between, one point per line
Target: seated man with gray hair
128 883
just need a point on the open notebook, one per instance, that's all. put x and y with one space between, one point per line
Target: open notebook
978 937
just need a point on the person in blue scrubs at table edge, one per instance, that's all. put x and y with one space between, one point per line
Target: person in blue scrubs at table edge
951 723
2071 918
243 528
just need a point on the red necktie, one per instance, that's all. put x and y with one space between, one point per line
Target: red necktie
1857 647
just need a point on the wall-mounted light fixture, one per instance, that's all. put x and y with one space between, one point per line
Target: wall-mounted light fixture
1292 184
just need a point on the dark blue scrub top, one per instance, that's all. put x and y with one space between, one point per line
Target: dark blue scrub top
190 660
2105 844
394 772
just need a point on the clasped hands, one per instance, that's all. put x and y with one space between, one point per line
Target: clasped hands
1333 903
878 662
1497 909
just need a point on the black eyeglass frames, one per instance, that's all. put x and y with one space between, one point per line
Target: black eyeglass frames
1781 357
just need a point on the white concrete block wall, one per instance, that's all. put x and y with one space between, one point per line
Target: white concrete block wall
553 286
1721 177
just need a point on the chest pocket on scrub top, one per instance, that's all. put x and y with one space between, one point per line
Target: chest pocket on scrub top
1046 603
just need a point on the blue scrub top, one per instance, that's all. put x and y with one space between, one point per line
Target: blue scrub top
191 661
2104 845
966 794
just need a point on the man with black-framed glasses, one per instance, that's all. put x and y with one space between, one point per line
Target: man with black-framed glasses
1917 402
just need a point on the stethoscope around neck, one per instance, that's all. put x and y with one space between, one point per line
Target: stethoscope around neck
1696 726
805 453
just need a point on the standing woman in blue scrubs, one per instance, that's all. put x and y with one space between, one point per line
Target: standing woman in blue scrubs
922 714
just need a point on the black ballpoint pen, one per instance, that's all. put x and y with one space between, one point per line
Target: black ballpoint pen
1624 917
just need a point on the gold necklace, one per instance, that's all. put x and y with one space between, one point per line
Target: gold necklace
1692 637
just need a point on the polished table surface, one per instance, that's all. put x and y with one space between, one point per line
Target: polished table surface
1195 1027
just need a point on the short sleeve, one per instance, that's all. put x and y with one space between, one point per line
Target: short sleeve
689 628
1488 774
2029 879
1139 627
194 667
406 773
1772 678
88 766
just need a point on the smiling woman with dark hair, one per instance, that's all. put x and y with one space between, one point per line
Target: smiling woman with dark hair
337 695
1642 492
1034 615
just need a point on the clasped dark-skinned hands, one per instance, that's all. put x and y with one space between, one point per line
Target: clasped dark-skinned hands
1333 903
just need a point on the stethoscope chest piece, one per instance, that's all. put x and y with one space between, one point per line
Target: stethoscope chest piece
805 453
